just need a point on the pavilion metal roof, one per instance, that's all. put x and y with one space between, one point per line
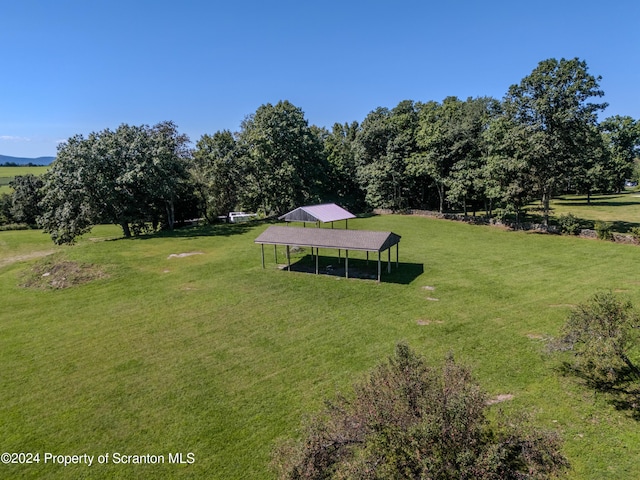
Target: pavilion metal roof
327 212
365 240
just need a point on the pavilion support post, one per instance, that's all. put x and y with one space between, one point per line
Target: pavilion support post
262 249
288 259
379 267
275 253
317 256
339 255
389 260
367 258
397 255
346 263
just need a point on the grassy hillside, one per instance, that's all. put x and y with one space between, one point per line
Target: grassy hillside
210 354
7 174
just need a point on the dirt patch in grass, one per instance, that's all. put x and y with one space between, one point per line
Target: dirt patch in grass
535 336
500 398
423 322
182 255
55 272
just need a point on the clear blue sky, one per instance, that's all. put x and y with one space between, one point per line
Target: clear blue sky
76 66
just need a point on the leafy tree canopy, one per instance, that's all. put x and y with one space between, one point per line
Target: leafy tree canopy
127 177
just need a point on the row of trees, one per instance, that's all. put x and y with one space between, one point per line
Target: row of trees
541 139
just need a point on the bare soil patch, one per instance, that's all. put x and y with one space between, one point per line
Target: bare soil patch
500 398
535 336
57 273
423 322
182 255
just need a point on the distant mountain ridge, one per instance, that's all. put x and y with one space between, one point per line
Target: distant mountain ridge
25 161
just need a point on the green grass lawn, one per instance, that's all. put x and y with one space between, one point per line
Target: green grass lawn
211 354
621 209
7 174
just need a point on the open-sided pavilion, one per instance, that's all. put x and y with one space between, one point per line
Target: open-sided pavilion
325 213
337 239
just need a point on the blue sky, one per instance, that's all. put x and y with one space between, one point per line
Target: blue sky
76 66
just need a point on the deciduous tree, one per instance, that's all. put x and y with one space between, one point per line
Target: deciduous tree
339 148
622 138
129 177
216 173
283 162
383 144
551 106
25 199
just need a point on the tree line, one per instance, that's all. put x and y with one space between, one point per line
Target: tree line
541 139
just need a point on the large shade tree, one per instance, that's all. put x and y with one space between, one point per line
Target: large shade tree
383 144
339 148
621 135
451 154
216 173
25 199
129 177
283 163
552 110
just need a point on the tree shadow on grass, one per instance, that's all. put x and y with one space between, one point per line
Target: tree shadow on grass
193 231
599 203
403 274
623 393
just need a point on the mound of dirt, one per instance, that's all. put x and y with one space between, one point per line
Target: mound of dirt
56 273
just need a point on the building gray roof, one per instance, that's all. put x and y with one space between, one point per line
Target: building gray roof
365 240
327 212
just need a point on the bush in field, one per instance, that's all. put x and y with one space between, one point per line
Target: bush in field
410 420
602 334
569 224
603 230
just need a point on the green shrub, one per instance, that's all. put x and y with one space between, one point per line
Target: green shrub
569 224
602 336
408 419
603 230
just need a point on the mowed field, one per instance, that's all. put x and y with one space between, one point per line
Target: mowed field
7 174
622 209
210 354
